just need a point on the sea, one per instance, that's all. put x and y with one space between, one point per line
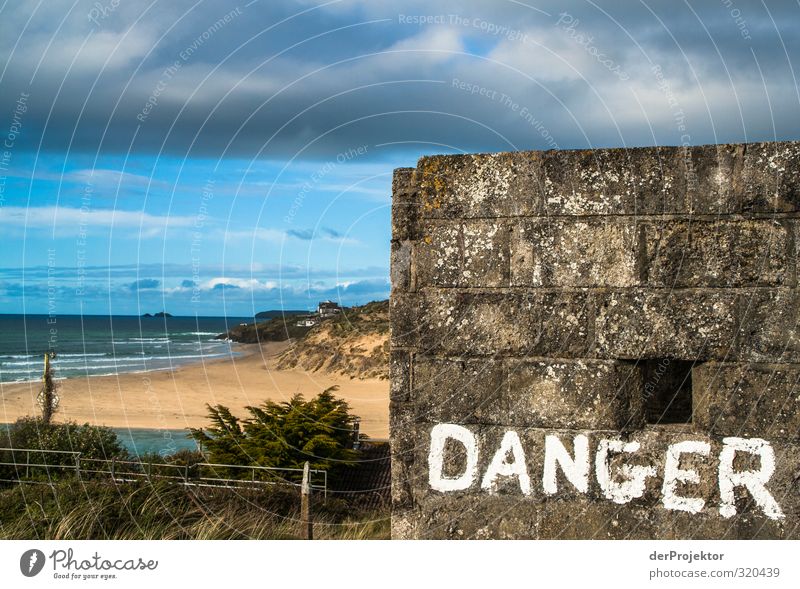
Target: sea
142 441
98 345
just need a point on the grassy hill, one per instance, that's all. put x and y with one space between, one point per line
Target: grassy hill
354 343
277 329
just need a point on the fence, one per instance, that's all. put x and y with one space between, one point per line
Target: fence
51 463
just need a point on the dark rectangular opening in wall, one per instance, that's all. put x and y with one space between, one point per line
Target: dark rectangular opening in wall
667 390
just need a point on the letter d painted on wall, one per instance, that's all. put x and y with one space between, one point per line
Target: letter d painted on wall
439 436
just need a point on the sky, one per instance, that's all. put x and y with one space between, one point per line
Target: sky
224 158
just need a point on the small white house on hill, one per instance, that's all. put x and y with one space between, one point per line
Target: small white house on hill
328 309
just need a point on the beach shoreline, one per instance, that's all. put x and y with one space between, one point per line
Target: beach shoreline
174 399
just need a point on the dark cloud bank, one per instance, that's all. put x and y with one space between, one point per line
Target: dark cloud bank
273 80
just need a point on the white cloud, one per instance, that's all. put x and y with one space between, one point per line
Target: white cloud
60 218
434 44
279 236
245 283
113 178
255 234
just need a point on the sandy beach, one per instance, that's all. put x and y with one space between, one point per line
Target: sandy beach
175 399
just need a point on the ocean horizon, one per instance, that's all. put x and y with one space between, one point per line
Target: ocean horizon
106 345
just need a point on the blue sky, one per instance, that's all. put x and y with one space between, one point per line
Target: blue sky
225 158
196 235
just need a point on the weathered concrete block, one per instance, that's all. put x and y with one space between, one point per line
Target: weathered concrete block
400 363
707 174
437 255
752 526
579 394
654 442
482 185
486 254
405 204
479 324
588 520
400 266
465 323
611 182
568 252
459 390
471 518
707 525
528 393
785 483
503 517
680 525
536 183
696 253
404 441
768 326
470 254
770 177
708 179
681 324
747 399
555 324
402 484
406 317
404 523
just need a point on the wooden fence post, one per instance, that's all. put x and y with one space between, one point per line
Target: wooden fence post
307 532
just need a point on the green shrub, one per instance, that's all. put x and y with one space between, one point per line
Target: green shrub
33 433
90 440
282 435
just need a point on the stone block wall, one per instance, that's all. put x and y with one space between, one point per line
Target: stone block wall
597 344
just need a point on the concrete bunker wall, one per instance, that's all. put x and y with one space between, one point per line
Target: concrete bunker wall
597 344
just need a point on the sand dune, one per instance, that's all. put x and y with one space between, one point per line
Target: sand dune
177 398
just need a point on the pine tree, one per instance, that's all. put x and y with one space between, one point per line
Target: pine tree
285 434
